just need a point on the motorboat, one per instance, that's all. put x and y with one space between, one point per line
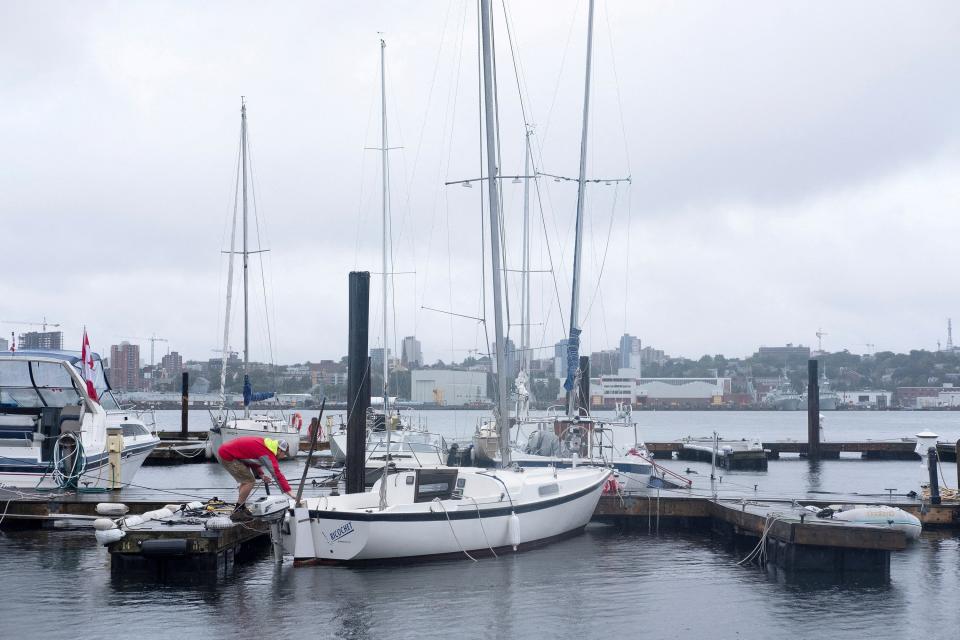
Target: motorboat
54 432
444 511
409 443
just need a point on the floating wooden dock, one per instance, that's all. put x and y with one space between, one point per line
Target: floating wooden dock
868 449
162 549
793 538
731 455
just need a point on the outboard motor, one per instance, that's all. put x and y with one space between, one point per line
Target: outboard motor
453 455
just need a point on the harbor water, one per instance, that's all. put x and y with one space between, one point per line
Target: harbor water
604 583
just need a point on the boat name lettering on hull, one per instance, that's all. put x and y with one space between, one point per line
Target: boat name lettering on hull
341 532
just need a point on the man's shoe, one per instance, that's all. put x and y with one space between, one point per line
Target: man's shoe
241 513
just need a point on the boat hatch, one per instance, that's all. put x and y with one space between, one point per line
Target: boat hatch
434 483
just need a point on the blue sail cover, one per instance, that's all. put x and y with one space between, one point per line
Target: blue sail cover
573 358
248 394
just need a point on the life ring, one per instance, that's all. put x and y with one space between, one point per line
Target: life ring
297 421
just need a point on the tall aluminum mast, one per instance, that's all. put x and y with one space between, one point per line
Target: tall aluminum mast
246 255
502 410
385 180
525 286
578 240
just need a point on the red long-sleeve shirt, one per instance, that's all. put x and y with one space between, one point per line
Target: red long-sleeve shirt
251 451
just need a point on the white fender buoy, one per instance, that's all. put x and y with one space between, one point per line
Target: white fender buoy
196 504
219 522
513 529
111 535
157 514
132 521
112 509
104 524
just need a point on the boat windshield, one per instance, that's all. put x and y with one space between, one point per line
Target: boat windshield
33 384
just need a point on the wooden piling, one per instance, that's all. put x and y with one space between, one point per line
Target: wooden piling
934 476
184 404
813 410
358 380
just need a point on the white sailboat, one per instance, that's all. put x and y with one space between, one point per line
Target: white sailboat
228 426
433 512
570 439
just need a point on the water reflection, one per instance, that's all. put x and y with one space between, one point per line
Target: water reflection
812 477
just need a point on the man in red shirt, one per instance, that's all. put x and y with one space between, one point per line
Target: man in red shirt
245 458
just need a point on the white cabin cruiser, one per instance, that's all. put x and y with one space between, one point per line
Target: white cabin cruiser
53 434
437 512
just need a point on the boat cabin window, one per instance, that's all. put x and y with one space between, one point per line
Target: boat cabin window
33 384
132 429
549 489
434 483
54 384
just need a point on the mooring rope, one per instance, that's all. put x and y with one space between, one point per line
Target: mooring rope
450 522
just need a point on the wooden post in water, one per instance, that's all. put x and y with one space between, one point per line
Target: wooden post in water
358 379
932 459
185 404
813 411
584 390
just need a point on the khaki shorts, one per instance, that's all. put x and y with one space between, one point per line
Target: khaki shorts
240 472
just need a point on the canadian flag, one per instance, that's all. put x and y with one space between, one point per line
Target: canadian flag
88 374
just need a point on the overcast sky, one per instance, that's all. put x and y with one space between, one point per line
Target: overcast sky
794 165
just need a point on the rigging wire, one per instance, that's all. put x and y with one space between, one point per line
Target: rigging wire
260 252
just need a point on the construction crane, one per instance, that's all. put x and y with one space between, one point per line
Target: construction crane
153 340
820 333
43 324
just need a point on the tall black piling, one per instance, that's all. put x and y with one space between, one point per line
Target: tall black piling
184 404
358 380
813 411
934 478
583 393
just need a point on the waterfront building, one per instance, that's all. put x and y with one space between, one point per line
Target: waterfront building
376 358
867 399
125 367
448 386
172 364
510 355
46 340
629 352
649 355
666 393
410 353
4 344
923 397
788 354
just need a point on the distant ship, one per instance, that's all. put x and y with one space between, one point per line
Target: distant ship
829 399
783 398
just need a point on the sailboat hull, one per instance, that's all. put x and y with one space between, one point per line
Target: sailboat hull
439 527
263 428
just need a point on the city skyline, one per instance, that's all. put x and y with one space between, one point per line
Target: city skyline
810 187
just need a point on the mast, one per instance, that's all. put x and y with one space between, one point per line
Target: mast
502 410
246 257
578 242
525 282
386 366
